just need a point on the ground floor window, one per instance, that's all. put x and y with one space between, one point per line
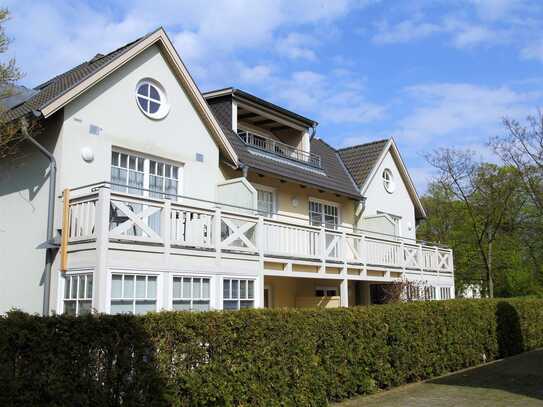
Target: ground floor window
133 293
78 294
326 292
238 293
445 293
191 293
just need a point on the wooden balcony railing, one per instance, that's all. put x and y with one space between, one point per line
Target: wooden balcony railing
142 220
280 149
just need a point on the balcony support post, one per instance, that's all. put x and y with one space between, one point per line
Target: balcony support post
166 225
421 259
102 245
322 237
344 292
260 250
217 238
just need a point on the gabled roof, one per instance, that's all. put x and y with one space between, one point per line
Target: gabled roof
55 93
332 177
238 94
57 86
363 161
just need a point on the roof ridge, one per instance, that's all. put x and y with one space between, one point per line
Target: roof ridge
364 144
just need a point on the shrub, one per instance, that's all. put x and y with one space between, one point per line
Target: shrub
253 357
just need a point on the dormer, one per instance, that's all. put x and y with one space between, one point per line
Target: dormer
265 127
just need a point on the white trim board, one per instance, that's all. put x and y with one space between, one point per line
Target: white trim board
160 38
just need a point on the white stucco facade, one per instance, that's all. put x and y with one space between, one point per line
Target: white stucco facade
398 203
229 248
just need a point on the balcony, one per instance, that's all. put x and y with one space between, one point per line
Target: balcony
139 222
280 149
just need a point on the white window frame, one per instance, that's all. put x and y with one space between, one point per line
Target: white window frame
324 202
255 298
191 276
146 169
164 107
159 290
62 287
326 289
389 184
273 191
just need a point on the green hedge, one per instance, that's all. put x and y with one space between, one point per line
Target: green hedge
253 357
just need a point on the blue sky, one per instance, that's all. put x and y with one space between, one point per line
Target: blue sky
428 73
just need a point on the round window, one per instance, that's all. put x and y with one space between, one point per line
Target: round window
151 99
388 180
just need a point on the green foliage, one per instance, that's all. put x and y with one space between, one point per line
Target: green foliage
517 249
253 357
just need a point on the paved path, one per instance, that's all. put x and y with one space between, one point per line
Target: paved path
512 382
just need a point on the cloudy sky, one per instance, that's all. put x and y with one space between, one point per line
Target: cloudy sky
428 73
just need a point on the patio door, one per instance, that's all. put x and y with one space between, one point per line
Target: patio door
138 175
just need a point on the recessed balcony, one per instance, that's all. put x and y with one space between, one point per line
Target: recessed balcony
279 149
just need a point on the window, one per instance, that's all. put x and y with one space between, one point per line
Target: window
133 293
266 202
323 214
78 294
238 294
388 180
326 292
132 173
445 293
191 293
127 171
151 99
163 178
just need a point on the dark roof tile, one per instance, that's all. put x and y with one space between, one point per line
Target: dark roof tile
60 84
361 159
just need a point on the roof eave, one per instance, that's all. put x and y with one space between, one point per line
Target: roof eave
160 37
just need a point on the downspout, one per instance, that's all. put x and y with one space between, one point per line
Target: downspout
50 212
244 169
313 132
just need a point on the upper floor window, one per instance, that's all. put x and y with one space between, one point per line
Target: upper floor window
265 201
388 180
133 174
321 213
151 99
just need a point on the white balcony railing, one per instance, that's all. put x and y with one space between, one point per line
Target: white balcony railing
280 149
142 220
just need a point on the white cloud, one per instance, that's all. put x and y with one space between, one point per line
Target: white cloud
296 46
473 35
534 50
255 74
65 34
495 9
405 31
467 112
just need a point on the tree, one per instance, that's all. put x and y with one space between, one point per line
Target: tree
10 136
487 194
522 148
